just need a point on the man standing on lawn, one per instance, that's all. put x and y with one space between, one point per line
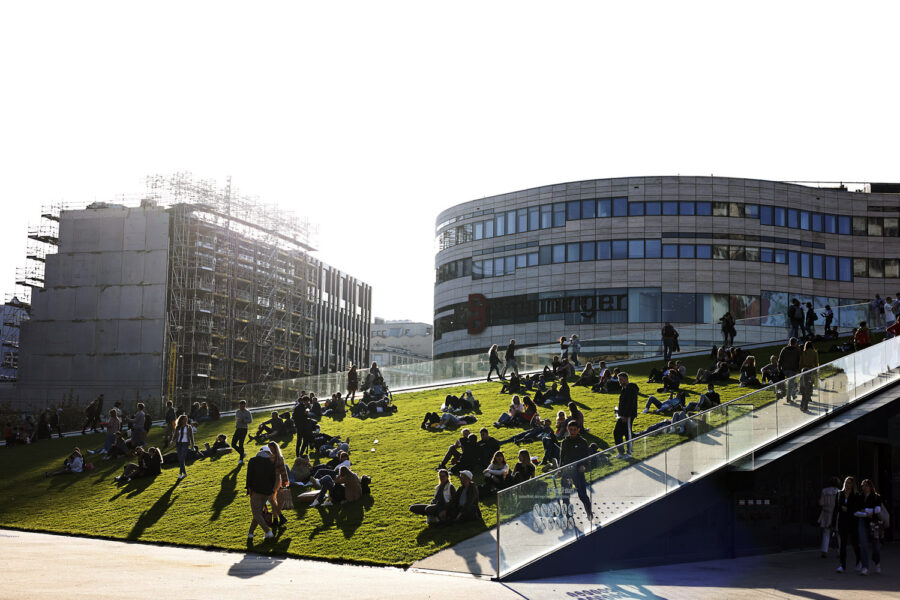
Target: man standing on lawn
260 485
626 412
242 420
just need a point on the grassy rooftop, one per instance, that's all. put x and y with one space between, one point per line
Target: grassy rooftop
209 509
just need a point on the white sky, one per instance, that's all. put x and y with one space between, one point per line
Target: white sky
372 117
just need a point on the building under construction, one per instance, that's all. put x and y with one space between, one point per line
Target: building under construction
185 292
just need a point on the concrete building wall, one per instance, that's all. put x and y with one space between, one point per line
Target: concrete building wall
98 326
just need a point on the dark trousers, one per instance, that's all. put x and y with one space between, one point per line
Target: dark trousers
668 345
849 537
494 368
622 433
581 489
237 441
551 448
302 438
452 452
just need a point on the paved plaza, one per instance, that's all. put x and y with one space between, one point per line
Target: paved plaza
37 566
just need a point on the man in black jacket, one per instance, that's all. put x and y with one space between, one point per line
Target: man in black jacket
455 451
789 363
572 449
626 412
487 446
301 424
260 485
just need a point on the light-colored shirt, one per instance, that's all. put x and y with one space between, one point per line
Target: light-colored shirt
76 465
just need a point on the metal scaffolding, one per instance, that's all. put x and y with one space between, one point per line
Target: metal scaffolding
239 307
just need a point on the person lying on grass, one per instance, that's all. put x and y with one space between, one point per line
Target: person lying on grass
149 464
436 422
438 511
368 408
462 404
537 431
345 487
675 402
331 468
218 448
74 463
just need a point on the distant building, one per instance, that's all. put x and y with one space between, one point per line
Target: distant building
197 293
401 342
12 314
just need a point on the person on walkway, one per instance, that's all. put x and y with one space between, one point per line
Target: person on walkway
242 420
809 361
668 339
574 448
626 412
574 348
810 321
184 439
828 502
563 348
352 384
878 311
828 315
511 363
789 365
869 527
728 330
847 503
261 480
795 317
861 337
494 361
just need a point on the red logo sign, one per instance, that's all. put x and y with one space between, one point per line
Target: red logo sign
477 320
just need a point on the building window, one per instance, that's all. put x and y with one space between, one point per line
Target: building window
704 251
860 267
844 269
604 208
652 248
781 257
780 217
522 218
619 249
830 224
644 305
499 225
794 264
876 267
860 227
720 209
546 216
686 209
766 255
890 227
751 211
635 209
816 223
704 209
686 251
670 208
765 215
620 207
636 249
510 222
559 214
534 218
818 266
573 252
603 250
573 210
669 251
652 209
876 226
559 253
510 265
831 268
844 225
679 308
588 209
793 218
587 250
735 209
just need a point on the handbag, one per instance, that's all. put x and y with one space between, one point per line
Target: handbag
285 499
884 516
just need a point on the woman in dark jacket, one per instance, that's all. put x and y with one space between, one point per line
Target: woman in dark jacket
869 526
465 500
524 469
848 502
352 384
728 330
494 359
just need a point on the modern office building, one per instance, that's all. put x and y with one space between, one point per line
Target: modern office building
13 313
400 342
606 256
193 290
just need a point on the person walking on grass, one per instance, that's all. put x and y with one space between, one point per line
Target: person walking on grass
242 420
511 363
494 361
352 384
261 481
184 440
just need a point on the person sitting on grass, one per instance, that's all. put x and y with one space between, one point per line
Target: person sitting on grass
465 500
588 377
463 454
219 447
439 510
707 400
301 471
530 410
538 429
748 373
346 487
494 475
675 402
334 406
861 337
565 369
487 446
332 467
535 382
607 377
149 464
771 373
120 447
465 403
576 415
272 429
671 379
74 463
511 416
523 470
561 420
720 373
513 386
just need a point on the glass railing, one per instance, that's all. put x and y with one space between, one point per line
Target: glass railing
543 514
637 343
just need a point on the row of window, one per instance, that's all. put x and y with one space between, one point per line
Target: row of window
546 216
641 305
800 264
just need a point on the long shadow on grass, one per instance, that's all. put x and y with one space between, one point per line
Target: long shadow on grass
347 517
133 487
227 492
153 514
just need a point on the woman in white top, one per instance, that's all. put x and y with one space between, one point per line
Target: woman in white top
828 500
496 472
74 463
184 439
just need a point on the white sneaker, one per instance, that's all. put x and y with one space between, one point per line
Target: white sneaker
241 461
645 411
250 536
315 502
878 568
182 475
327 503
864 572
840 569
269 535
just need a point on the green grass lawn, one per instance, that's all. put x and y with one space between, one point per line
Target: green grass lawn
209 508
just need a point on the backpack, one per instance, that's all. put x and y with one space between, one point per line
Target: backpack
365 482
148 421
266 515
792 312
